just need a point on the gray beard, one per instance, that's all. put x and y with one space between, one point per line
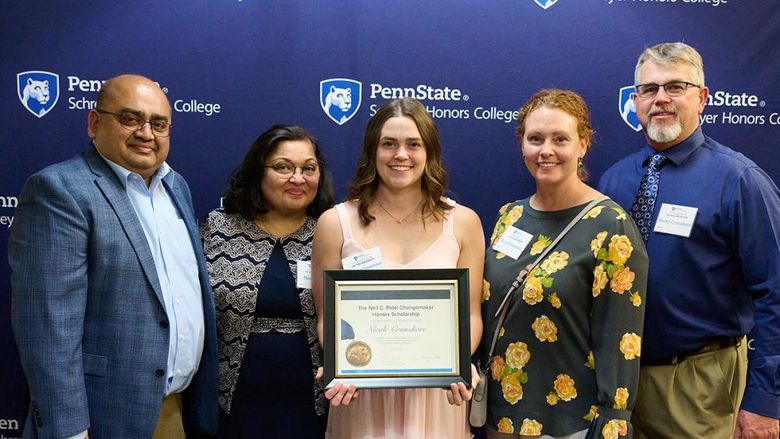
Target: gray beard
664 134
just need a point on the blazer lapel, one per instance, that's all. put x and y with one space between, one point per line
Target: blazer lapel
116 196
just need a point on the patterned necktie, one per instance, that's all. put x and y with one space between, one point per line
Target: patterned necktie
644 205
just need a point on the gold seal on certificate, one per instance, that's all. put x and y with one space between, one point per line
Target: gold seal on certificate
358 353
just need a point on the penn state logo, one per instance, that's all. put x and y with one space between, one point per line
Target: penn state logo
626 108
545 3
340 98
38 91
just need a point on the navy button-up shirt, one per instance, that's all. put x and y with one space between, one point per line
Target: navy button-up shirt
723 281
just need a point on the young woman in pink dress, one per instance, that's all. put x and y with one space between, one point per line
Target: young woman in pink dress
396 202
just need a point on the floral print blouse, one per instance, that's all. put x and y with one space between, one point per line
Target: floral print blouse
567 356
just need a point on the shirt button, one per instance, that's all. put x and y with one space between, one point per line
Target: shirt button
159 372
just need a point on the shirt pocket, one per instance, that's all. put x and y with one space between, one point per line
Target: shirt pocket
95 365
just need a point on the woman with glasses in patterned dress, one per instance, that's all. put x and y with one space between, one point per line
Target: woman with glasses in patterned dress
258 248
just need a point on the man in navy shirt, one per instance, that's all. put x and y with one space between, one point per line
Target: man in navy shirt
711 220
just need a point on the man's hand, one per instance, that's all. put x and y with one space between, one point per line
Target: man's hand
753 426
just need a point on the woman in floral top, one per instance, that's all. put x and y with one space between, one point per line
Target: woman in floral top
566 362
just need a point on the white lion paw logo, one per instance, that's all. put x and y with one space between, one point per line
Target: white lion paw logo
545 3
38 90
341 97
628 108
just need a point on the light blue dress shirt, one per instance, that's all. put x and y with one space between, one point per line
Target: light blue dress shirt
177 270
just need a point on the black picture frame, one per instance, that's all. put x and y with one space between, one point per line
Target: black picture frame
371 289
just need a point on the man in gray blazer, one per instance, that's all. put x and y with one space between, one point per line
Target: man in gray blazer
111 307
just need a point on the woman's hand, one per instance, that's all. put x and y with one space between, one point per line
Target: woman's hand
457 394
341 394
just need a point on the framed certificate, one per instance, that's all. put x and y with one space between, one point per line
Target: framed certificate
396 328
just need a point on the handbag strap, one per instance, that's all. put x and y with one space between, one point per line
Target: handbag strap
520 279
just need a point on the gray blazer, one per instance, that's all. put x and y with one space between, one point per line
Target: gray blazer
87 308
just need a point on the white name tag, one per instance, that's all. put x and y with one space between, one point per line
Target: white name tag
675 220
512 242
364 261
304 274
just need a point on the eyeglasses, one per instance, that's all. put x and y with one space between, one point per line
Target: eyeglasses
160 127
674 89
287 169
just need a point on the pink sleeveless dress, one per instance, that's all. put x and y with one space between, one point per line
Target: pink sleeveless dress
401 413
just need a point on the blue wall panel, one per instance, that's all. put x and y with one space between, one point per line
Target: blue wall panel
262 62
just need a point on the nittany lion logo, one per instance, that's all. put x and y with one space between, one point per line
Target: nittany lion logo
545 3
626 108
38 91
340 98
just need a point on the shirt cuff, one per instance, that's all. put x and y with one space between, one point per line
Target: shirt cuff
610 423
760 403
81 435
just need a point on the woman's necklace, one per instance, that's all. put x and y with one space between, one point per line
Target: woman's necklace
399 221
278 229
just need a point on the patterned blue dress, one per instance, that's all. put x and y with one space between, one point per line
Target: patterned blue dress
266 327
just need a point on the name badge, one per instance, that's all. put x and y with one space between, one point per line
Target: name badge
304 274
675 220
512 242
364 261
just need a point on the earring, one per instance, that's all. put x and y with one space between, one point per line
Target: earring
580 163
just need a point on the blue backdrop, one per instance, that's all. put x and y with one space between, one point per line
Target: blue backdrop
232 68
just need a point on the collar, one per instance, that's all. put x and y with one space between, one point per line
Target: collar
679 153
125 174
